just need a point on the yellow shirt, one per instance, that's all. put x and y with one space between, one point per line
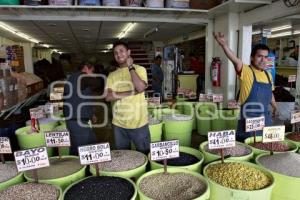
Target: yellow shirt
129 112
246 81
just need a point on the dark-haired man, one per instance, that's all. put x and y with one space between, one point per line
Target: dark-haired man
125 89
255 86
157 75
78 121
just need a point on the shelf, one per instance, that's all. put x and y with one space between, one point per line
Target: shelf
237 6
103 13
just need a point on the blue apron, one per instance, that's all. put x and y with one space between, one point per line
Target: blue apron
260 93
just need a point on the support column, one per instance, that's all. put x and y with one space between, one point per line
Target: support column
209 50
27 47
297 99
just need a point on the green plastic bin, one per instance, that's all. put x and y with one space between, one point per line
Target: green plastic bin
158 113
250 140
33 140
156 132
62 182
134 197
189 109
9 2
204 196
295 142
133 173
19 178
210 157
204 116
195 167
232 116
180 130
218 192
286 187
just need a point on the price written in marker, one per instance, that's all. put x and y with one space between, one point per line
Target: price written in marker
295 117
292 78
37 113
31 159
221 139
255 124
202 97
164 150
5 147
217 98
93 154
273 134
57 139
233 104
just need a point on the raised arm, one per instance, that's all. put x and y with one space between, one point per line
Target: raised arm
238 64
138 83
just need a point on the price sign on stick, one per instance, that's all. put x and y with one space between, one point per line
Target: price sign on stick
32 159
202 97
273 134
93 154
164 150
58 139
5 148
221 140
295 117
255 124
233 104
292 78
37 113
217 98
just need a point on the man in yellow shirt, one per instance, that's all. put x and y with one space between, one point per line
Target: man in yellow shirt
125 89
255 86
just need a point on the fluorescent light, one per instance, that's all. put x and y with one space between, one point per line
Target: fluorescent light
256 32
280 28
109 46
45 45
280 34
296 32
151 31
128 28
14 31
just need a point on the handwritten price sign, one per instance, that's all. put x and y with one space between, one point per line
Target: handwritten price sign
164 150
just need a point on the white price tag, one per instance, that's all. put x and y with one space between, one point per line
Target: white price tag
209 97
94 153
273 134
5 147
295 117
292 78
37 113
233 104
32 159
48 108
255 124
217 98
202 97
57 139
164 150
54 96
221 139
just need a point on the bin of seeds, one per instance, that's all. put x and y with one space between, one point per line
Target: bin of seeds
178 127
177 184
124 163
238 180
32 191
101 187
160 112
9 175
278 147
293 137
285 168
62 172
241 152
190 159
155 128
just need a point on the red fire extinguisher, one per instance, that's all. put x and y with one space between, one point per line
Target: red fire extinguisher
216 72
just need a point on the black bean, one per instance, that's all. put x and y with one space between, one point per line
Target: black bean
184 159
101 188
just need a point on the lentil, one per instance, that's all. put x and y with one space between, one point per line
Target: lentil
283 163
184 159
123 160
172 186
58 168
294 137
238 176
7 171
274 146
237 151
31 191
102 187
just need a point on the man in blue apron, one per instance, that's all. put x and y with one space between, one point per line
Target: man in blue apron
255 86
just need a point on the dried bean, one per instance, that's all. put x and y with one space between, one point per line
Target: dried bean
102 187
172 186
238 176
123 160
272 146
294 137
184 160
30 191
237 151
284 163
7 171
58 168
